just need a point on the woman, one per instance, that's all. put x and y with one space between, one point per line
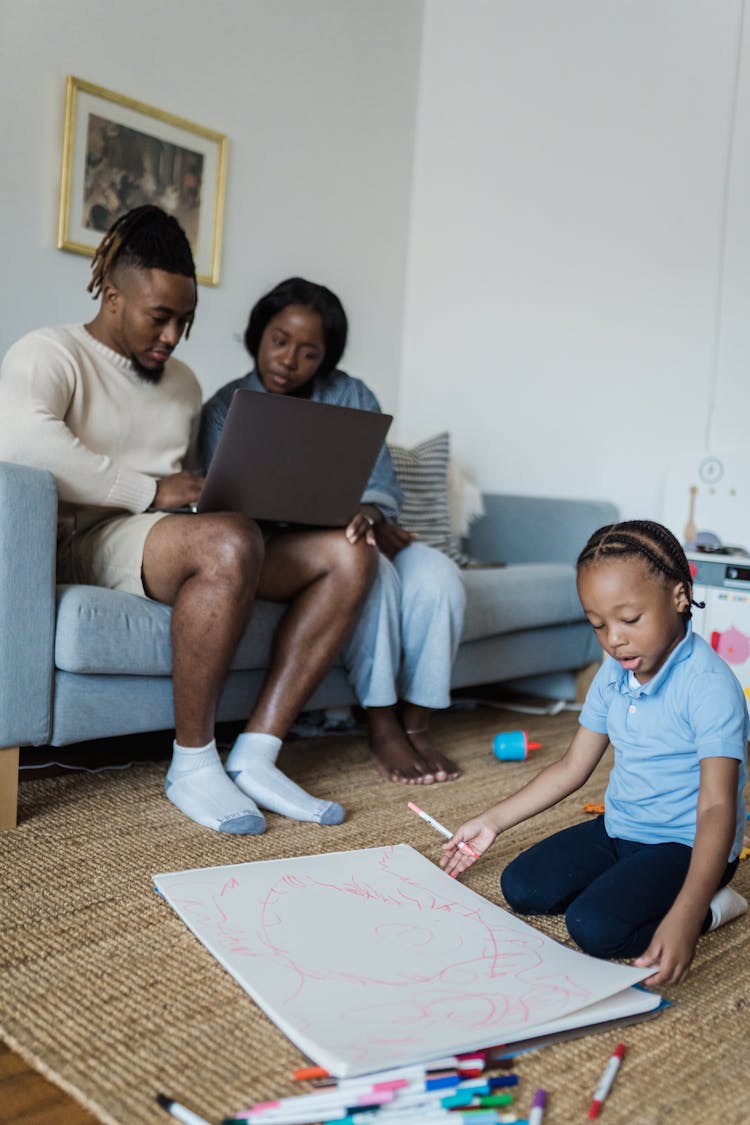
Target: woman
400 654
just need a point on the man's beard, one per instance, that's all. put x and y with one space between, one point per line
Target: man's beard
149 374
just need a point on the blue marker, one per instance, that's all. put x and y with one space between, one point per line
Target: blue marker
456 1101
502 1080
442 1081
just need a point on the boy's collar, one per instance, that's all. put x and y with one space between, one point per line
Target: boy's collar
620 678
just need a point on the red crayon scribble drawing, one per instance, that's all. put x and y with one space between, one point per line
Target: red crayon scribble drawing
374 953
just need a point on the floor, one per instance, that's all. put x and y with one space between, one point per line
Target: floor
26 1097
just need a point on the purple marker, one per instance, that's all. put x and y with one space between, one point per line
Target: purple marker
537 1107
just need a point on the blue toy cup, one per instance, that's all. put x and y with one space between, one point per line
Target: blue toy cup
513 746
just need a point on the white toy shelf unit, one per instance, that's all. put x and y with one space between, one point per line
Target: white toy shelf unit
723 583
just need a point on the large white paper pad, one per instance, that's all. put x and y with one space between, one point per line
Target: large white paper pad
376 958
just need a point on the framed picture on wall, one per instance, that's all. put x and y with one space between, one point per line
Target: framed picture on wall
119 153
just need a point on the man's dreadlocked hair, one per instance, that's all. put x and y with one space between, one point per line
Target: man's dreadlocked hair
146 238
652 542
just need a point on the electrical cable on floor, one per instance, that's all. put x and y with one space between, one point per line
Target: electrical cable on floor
553 708
81 769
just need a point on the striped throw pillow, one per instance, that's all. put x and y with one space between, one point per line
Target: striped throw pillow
422 472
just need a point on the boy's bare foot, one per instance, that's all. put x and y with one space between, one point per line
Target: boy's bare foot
407 759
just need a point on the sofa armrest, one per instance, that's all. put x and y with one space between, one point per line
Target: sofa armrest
518 529
28 543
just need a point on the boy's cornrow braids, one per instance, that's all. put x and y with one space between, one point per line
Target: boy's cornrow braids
146 238
680 564
651 541
623 539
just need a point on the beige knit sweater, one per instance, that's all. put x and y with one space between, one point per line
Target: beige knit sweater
72 405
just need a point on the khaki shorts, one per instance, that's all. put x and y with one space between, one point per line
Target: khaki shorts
110 553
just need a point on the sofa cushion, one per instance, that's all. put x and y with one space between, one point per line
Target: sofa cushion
422 472
510 599
107 632
102 631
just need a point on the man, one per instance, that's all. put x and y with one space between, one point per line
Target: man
108 410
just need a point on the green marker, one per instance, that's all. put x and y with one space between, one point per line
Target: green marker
468 1100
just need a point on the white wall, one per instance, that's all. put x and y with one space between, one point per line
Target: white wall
564 224
318 100
566 242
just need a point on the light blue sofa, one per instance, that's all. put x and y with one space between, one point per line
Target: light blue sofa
81 662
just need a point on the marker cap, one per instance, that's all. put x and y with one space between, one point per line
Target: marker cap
303 1073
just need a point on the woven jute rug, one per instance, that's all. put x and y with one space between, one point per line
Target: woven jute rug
105 991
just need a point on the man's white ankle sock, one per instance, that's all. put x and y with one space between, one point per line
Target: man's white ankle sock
197 785
724 906
251 765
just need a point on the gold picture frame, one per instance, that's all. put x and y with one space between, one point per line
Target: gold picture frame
118 153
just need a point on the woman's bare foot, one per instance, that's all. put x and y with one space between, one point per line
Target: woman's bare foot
415 721
443 768
408 759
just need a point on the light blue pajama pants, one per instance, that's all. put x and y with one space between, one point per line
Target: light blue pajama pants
407 634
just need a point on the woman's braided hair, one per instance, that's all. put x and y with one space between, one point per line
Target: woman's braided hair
146 238
650 541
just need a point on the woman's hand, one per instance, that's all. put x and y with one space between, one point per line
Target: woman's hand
364 523
371 525
391 538
467 844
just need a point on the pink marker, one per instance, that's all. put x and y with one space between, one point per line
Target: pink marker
464 847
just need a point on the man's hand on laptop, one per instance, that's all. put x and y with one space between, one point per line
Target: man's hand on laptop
181 490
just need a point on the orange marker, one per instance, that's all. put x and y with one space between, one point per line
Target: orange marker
304 1072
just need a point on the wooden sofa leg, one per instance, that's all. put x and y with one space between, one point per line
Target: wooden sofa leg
8 787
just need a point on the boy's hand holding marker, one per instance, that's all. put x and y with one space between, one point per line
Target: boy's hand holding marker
465 848
467 844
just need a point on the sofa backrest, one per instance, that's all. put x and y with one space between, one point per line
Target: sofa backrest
517 529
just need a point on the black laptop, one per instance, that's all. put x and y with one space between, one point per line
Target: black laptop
293 461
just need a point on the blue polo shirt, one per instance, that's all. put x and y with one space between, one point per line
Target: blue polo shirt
693 708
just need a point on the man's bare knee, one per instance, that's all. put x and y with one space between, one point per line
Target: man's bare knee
232 548
215 546
220 548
